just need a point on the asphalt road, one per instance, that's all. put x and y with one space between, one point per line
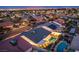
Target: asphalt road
22 45
16 32
75 42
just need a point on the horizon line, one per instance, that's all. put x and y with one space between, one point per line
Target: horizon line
18 7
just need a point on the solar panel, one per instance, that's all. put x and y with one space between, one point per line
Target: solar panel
37 34
52 26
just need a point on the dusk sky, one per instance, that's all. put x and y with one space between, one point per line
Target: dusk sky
6 7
